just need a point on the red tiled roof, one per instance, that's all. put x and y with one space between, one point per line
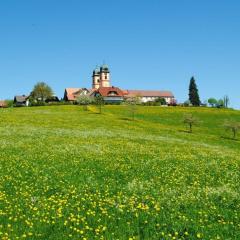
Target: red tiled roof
73 93
110 92
149 93
3 104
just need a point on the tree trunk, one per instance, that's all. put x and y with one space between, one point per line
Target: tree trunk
190 125
234 133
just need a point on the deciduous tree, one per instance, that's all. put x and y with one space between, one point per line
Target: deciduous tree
212 101
84 100
99 101
161 101
226 101
41 91
190 120
220 103
132 105
232 126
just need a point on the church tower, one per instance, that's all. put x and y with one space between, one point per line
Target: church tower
104 76
96 81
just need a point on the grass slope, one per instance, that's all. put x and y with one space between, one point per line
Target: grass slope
70 174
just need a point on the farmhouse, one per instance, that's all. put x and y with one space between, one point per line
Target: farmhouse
3 104
109 94
151 96
101 85
71 94
53 99
21 101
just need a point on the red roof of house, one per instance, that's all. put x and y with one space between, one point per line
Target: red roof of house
3 104
110 92
149 93
73 93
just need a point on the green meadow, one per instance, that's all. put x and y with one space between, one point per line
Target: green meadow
70 174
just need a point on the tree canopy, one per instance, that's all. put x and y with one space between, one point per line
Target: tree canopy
193 93
41 91
84 100
212 101
190 120
232 126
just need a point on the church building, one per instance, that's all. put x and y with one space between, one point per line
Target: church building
101 86
101 77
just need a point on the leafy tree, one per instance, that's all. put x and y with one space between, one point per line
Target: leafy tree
212 101
234 127
173 102
84 100
220 103
190 120
226 101
161 101
41 91
99 101
9 103
187 103
193 93
132 103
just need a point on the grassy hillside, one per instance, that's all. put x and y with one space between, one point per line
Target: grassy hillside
70 174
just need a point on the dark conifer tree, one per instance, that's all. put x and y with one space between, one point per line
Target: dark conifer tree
193 93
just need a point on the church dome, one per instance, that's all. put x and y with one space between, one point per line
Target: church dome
105 67
96 71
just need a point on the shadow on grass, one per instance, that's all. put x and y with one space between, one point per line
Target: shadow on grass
129 119
92 112
126 119
230 138
185 131
95 113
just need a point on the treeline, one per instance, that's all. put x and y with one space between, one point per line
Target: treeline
194 99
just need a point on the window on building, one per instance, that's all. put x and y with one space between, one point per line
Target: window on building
112 93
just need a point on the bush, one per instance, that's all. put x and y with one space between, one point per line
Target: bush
9 103
151 103
113 103
84 100
38 103
187 103
161 101
59 103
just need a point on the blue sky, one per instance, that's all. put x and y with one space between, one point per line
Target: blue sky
154 44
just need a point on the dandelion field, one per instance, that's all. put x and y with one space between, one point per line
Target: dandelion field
70 174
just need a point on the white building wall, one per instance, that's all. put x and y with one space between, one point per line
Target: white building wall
152 99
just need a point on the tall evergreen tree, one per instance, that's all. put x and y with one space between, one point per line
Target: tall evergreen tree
193 93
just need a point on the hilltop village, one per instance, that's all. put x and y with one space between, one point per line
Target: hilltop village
101 86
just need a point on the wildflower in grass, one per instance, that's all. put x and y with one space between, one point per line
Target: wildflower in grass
138 179
199 235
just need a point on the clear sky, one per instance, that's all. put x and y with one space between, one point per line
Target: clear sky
148 44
